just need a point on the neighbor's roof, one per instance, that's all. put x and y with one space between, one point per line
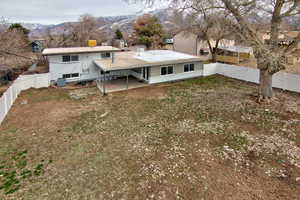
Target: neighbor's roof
131 59
70 50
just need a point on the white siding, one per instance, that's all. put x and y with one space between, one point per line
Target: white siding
85 67
178 73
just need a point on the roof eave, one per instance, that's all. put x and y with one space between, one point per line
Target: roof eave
148 64
79 52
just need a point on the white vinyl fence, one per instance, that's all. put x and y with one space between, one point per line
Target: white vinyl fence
23 82
281 80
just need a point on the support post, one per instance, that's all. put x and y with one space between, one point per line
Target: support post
104 79
127 80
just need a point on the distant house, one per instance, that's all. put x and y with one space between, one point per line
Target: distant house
293 58
169 41
108 66
37 46
191 44
285 37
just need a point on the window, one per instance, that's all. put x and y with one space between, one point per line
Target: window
68 58
66 75
166 70
105 55
186 68
74 75
102 72
192 67
189 67
75 58
170 70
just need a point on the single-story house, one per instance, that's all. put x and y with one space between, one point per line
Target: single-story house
108 66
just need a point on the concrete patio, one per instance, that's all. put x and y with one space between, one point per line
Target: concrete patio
120 84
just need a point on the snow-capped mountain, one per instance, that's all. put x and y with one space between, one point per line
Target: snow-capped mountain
107 24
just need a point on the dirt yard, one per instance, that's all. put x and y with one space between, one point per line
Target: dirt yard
199 139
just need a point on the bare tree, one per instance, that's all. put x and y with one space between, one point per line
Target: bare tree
270 57
76 34
214 28
14 47
86 30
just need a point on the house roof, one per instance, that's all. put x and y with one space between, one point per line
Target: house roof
296 53
130 60
70 50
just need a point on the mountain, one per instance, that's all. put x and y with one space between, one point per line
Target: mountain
107 24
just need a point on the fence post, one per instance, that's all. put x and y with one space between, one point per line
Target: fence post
5 103
11 96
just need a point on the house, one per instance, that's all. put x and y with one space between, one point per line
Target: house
146 67
190 43
293 58
115 70
285 37
169 41
76 63
37 46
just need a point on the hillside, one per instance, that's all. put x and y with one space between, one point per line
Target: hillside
107 24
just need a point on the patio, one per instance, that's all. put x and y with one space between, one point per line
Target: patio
120 84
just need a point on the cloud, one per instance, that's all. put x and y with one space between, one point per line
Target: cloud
57 11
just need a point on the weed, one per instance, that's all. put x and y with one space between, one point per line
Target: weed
236 141
15 170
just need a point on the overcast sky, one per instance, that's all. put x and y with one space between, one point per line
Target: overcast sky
57 11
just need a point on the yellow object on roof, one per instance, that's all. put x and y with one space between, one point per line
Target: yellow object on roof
92 43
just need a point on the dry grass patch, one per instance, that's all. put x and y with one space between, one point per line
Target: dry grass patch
197 139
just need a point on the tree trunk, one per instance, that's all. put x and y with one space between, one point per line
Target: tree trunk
265 87
212 52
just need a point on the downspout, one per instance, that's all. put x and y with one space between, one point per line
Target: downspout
197 45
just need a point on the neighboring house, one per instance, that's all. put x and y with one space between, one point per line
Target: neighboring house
37 46
76 63
121 44
191 44
169 44
293 58
285 37
169 41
